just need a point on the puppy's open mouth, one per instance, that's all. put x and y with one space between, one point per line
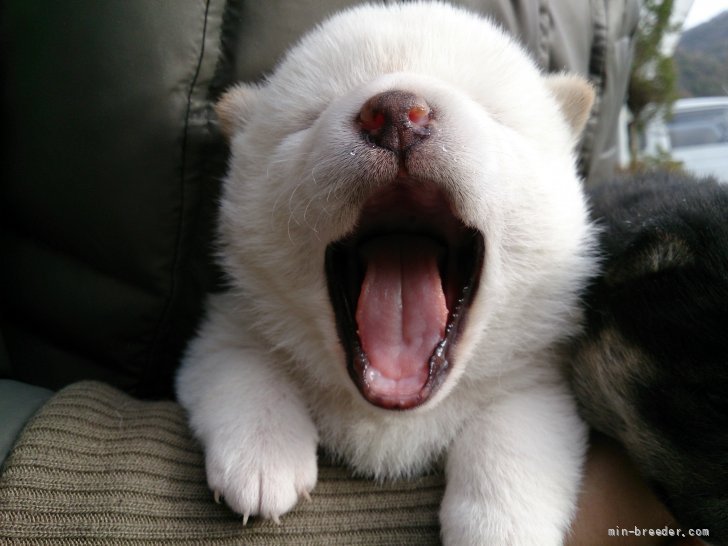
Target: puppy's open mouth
401 286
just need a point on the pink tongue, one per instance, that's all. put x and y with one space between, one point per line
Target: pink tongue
401 313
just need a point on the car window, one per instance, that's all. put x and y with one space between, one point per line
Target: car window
699 127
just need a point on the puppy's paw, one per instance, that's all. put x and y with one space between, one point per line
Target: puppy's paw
468 522
264 474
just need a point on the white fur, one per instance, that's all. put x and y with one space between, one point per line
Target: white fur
266 379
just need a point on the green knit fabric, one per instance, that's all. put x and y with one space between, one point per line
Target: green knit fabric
96 466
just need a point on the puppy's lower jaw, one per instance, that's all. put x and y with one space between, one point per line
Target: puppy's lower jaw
401 286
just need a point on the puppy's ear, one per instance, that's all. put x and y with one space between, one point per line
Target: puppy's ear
575 96
651 253
235 107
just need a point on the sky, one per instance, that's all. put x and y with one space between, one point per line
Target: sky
703 10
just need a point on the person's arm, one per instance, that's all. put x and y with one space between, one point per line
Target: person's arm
615 499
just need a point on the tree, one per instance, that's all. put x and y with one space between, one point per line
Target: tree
653 81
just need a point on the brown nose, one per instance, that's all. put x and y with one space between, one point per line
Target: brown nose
395 120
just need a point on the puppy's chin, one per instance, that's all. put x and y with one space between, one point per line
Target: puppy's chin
401 285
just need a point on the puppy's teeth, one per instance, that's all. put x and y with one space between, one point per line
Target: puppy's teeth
216 495
245 519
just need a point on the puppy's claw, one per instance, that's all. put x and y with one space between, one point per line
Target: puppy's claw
216 495
276 520
306 496
245 519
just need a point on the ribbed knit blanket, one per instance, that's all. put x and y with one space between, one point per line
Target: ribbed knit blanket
96 466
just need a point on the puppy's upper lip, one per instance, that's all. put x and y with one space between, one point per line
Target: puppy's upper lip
401 285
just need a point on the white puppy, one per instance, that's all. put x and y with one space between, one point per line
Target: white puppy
405 238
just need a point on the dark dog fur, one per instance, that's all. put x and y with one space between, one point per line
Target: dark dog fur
652 367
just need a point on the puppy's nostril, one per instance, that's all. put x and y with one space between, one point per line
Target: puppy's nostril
395 120
419 115
370 120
